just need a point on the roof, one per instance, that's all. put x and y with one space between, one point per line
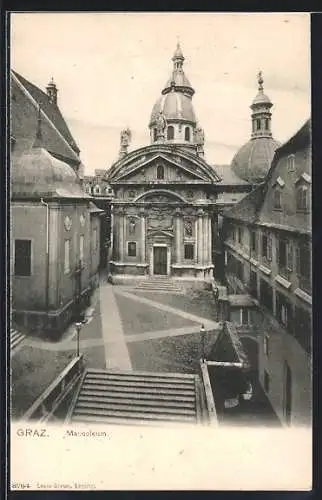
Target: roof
261 98
228 346
241 300
174 105
252 162
93 209
226 198
51 110
36 173
228 176
247 209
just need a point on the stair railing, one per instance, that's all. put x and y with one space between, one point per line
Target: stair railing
48 402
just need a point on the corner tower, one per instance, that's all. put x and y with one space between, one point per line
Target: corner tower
251 163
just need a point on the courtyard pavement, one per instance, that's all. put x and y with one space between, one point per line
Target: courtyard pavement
120 317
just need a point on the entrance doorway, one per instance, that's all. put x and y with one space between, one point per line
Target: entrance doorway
160 261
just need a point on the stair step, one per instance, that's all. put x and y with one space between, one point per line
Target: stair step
123 421
139 378
15 338
135 389
113 395
169 375
133 415
92 406
144 384
177 404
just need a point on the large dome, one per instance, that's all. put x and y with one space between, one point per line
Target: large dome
252 161
38 173
174 106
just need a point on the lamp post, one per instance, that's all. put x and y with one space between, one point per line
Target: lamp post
78 329
202 334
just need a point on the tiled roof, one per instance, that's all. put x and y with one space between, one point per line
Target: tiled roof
51 110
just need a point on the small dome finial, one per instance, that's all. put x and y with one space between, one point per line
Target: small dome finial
260 80
178 52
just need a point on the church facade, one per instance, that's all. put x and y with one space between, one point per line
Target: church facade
164 204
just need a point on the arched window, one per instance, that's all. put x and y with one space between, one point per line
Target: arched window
258 124
97 189
155 134
267 123
187 134
160 172
170 133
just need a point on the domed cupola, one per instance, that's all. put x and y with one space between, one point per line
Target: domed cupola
173 120
36 173
252 161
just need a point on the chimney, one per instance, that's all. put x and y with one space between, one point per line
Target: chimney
52 91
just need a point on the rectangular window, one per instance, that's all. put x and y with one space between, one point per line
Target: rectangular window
289 256
264 245
253 283
244 316
253 240
277 199
282 255
81 248
188 251
66 257
284 312
266 345
266 382
303 266
266 295
22 257
131 249
240 234
302 199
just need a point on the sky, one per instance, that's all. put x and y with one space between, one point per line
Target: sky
110 68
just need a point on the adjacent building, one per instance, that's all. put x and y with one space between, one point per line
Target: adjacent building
267 239
55 227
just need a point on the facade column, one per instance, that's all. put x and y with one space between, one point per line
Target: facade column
206 240
121 235
200 237
143 256
178 236
210 241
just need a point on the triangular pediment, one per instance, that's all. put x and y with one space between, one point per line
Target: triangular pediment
179 166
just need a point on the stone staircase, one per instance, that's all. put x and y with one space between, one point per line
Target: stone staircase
16 338
120 397
158 284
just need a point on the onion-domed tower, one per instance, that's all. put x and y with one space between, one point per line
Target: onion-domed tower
173 118
252 161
